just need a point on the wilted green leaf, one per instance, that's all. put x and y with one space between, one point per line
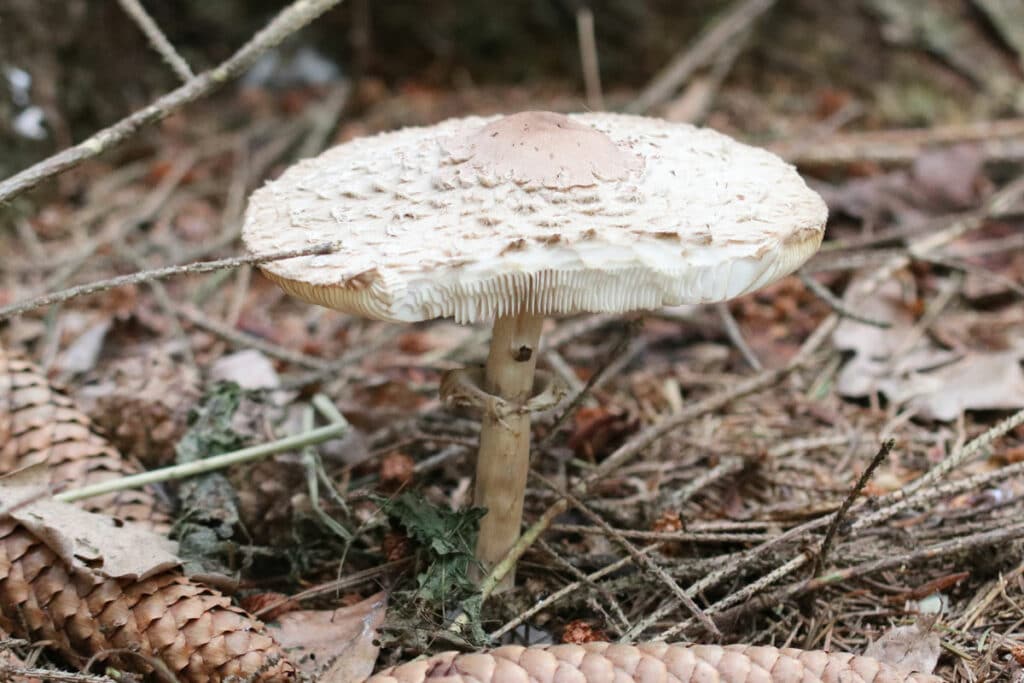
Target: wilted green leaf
445 541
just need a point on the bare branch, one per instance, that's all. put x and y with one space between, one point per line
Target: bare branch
290 20
700 53
157 274
732 329
157 39
588 58
844 509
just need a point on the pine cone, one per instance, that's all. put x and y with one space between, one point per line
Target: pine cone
648 663
193 630
270 493
142 406
38 424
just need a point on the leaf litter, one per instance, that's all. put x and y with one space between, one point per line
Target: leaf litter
907 365
734 479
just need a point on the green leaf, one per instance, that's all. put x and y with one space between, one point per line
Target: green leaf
446 540
210 431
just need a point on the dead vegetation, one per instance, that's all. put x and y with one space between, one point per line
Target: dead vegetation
816 466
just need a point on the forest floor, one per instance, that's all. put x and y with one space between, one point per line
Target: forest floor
725 448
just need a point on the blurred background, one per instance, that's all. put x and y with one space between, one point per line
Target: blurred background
72 66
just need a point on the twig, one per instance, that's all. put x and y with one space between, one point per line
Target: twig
585 324
837 305
693 104
588 58
157 39
732 329
998 139
163 299
620 346
580 575
566 590
642 558
14 672
347 581
640 442
156 274
217 462
324 120
840 514
685 536
728 465
981 271
557 364
905 497
742 595
287 22
950 547
719 34
246 340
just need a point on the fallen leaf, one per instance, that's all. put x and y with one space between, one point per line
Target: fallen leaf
81 355
599 430
978 381
910 369
950 178
249 369
940 180
580 631
88 542
336 646
907 648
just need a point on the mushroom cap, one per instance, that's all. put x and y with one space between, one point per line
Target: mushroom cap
540 213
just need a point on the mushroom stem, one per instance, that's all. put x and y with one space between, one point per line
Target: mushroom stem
504 460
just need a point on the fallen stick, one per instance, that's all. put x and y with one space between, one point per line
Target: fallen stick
719 34
999 140
63 295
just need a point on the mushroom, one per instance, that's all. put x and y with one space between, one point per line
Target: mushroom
515 218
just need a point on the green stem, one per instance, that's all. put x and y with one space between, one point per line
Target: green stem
216 462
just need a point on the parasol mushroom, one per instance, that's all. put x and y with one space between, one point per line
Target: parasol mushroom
512 219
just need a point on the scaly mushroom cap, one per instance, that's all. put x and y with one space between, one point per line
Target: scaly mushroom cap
539 213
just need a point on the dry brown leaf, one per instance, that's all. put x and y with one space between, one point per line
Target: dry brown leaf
910 369
88 542
978 381
250 369
82 353
907 648
940 180
335 645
